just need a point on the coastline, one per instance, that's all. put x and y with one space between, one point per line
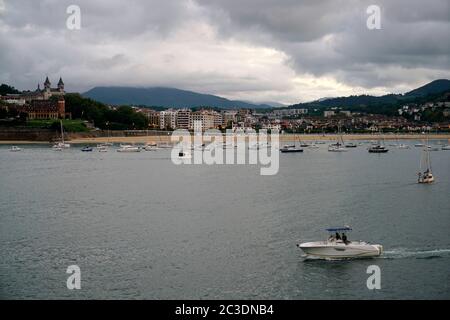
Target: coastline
285 137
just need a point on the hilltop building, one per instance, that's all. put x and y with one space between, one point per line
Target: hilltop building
46 103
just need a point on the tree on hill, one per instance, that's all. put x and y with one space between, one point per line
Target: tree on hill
122 118
6 89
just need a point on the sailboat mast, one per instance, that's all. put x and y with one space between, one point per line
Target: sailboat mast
62 131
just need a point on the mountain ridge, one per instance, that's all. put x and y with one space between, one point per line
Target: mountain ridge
164 97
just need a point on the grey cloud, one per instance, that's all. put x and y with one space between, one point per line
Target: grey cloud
331 37
145 43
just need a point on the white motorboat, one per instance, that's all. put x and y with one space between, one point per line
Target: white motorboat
15 149
403 146
128 148
447 147
337 246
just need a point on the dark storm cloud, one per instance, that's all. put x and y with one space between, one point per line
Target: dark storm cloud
252 49
331 37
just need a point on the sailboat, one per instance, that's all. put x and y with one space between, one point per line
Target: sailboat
426 176
291 148
339 145
61 145
378 148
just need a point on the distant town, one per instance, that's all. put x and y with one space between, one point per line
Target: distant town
41 107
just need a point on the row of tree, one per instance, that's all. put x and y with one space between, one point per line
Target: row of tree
104 117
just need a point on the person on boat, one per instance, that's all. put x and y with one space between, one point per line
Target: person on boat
331 238
344 238
338 236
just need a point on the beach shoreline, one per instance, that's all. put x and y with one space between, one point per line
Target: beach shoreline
284 137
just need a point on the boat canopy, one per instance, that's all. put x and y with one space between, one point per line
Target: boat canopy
338 229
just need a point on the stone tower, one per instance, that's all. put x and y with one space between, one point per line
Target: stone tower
60 85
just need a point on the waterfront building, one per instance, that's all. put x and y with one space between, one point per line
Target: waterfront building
184 119
203 117
168 119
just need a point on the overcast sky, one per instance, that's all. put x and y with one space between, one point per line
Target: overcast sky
258 50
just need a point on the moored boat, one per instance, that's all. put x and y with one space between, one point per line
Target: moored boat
128 148
15 149
87 149
378 149
290 149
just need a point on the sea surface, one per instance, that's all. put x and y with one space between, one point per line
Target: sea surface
140 227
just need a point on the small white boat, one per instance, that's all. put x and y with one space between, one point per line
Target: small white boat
150 147
128 148
419 145
61 145
337 246
403 146
15 149
102 148
447 147
351 145
337 147
304 144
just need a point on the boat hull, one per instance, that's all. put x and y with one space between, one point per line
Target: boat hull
291 150
341 250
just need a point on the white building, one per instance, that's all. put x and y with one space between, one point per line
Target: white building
168 119
328 113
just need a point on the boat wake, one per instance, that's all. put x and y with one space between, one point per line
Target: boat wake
401 253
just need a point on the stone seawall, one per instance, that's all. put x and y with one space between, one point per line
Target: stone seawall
27 134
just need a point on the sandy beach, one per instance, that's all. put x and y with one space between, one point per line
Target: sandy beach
285 137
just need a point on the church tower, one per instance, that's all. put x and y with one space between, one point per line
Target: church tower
47 84
60 85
